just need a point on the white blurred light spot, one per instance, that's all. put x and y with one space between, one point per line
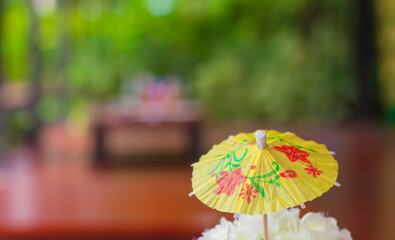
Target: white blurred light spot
159 8
44 7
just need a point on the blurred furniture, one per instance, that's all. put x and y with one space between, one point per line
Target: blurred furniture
145 130
152 121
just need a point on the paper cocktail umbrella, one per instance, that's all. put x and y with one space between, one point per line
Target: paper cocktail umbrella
263 172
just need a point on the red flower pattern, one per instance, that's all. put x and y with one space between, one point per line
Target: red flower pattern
293 153
313 171
288 174
248 192
228 182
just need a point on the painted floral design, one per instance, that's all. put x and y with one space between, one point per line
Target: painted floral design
313 171
231 160
293 153
288 174
228 172
228 181
248 193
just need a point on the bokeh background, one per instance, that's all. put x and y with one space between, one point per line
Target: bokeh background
104 104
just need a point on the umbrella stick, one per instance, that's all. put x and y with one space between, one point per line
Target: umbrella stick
265 232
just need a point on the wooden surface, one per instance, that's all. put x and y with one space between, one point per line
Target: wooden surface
55 195
61 201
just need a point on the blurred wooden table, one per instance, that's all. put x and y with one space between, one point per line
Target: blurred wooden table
138 126
65 202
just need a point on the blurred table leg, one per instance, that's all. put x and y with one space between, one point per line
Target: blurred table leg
100 154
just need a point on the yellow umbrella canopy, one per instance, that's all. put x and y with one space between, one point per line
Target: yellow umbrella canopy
240 175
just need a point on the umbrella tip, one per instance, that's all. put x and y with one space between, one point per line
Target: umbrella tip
260 137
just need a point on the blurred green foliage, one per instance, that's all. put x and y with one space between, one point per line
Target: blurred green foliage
254 59
282 61
14 49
